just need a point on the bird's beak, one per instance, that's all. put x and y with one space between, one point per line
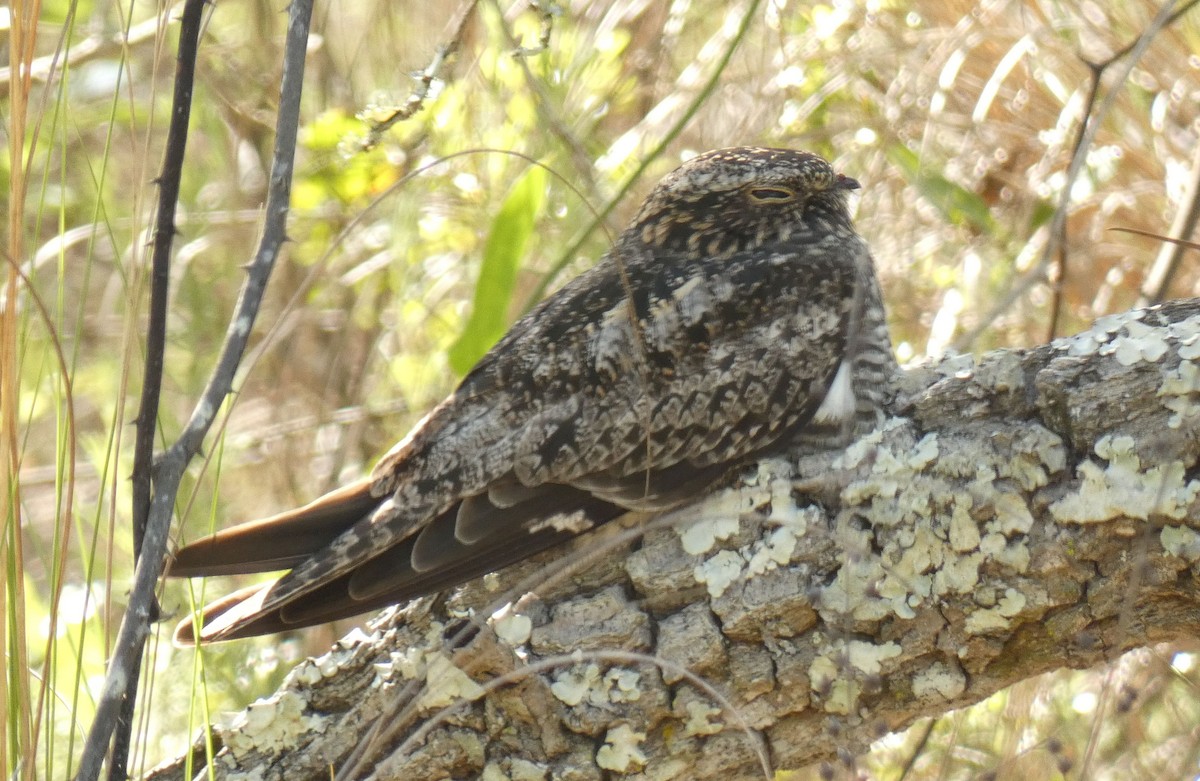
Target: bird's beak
846 183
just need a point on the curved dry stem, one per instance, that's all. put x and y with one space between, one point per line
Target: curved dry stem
648 159
371 751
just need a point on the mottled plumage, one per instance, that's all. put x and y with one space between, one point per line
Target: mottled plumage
738 313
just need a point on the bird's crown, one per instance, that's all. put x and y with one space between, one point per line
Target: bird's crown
741 191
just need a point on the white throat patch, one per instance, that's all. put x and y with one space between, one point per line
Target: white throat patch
839 403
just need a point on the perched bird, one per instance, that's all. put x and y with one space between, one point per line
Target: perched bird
737 314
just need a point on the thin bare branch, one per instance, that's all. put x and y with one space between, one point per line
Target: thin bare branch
170 467
1166 265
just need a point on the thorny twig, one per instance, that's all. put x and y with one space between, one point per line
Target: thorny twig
1184 243
169 468
146 421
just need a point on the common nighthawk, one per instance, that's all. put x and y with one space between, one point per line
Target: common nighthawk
738 313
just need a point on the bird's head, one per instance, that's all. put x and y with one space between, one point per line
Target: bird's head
722 199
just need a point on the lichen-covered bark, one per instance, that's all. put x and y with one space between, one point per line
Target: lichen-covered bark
1022 511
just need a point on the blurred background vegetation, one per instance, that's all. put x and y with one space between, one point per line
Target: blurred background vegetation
407 258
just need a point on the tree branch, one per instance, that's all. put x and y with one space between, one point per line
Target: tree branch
1028 511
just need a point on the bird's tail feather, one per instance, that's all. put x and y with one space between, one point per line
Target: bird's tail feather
278 542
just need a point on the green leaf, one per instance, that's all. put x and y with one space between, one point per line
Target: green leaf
502 255
958 204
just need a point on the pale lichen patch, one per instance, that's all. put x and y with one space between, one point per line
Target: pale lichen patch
717 518
1187 333
621 750
1140 343
700 537
823 679
344 652
939 511
964 532
959 575
1100 334
778 477
410 663
272 725
719 572
998 618
407 662
868 657
866 447
863 447
307 672
1035 454
1181 541
1013 554
572 686
524 770
446 684
1012 515
772 499
623 685
939 680
700 719
846 596
772 552
1130 341
586 684
513 628
1180 391
1012 603
1189 348
840 684
1122 489
518 770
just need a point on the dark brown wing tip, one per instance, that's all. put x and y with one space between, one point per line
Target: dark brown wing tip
222 620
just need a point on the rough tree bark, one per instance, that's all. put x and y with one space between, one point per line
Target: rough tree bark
1022 511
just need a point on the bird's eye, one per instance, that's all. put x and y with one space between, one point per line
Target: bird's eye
771 194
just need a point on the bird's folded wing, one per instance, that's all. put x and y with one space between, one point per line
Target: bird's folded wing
423 563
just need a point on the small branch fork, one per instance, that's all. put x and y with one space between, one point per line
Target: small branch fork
1053 267
1054 258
